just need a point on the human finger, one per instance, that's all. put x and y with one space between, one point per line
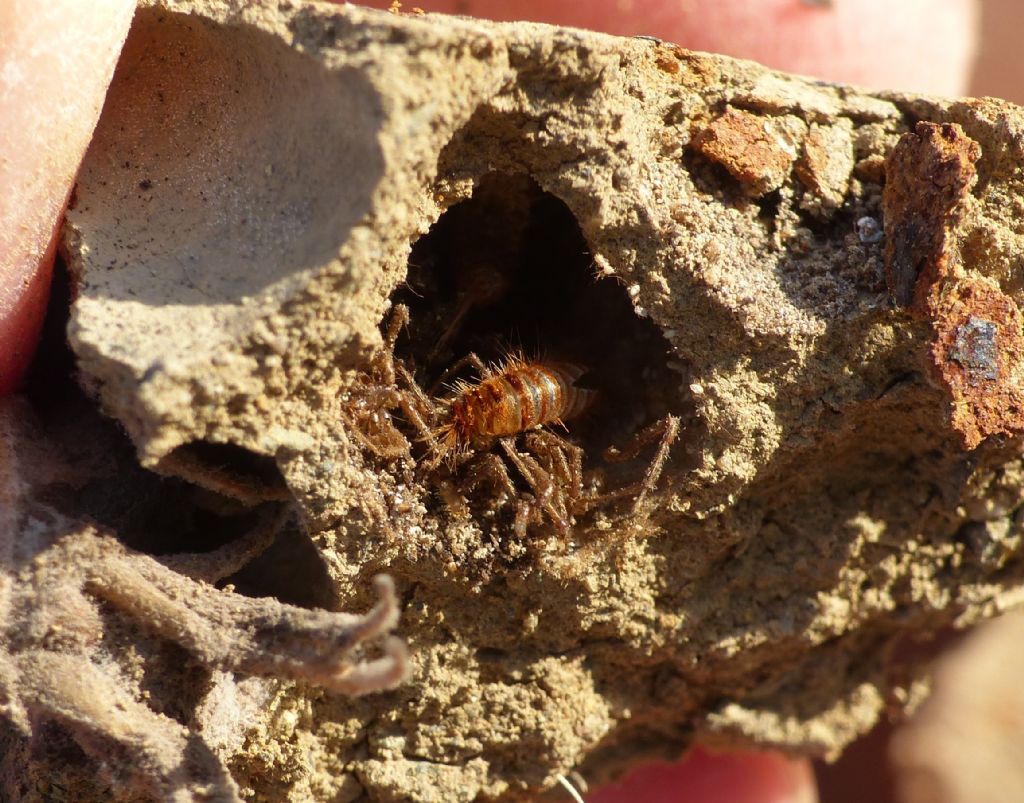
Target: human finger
56 61
916 45
703 777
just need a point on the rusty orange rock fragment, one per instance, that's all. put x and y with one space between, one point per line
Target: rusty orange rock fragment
746 145
978 355
668 57
929 174
977 352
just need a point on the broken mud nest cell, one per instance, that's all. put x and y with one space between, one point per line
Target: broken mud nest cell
678 399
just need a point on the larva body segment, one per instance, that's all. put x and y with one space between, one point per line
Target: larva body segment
517 397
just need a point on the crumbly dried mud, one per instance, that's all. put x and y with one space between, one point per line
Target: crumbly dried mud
267 181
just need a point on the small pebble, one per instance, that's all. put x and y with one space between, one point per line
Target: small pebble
869 230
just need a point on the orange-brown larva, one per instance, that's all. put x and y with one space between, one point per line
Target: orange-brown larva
517 396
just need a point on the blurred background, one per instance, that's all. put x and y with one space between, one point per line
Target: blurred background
998 64
999 70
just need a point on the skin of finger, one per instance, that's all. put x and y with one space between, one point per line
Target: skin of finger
704 777
915 45
56 61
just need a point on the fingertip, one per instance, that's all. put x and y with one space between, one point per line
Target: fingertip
53 78
705 777
22 310
913 45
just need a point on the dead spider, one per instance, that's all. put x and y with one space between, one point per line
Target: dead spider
551 466
511 402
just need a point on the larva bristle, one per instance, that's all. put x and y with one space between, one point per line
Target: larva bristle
446 443
515 361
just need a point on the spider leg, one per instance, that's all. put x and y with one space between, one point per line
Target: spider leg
669 434
565 462
668 430
490 467
386 446
427 406
415 417
472 360
566 459
539 480
399 319
525 513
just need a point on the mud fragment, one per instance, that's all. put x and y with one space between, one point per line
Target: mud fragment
979 356
759 151
979 346
825 166
929 176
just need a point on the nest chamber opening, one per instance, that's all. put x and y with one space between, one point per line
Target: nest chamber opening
508 272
